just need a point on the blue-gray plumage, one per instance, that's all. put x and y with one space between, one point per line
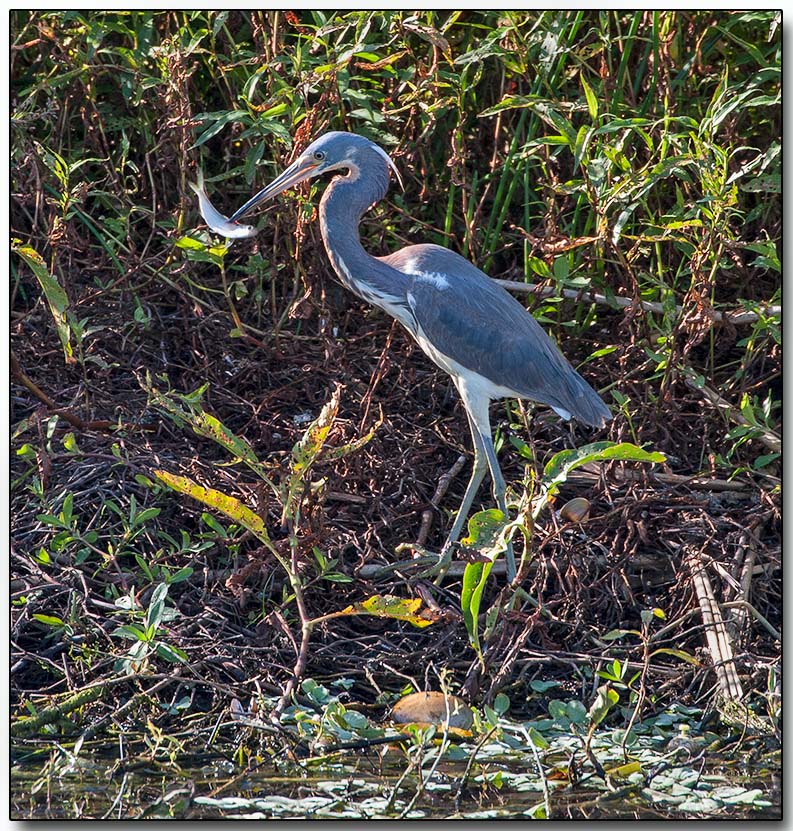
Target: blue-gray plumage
471 327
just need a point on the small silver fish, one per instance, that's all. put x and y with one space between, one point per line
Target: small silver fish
214 219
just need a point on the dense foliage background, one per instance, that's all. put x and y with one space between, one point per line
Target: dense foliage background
628 163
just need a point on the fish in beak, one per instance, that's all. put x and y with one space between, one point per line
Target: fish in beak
218 223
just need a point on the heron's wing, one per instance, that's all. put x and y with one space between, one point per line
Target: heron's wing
472 320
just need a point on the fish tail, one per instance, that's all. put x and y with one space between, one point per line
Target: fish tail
198 186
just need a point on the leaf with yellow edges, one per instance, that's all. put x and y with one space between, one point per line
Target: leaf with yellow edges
229 505
386 605
57 299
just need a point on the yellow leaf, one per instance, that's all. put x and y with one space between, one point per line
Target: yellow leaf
386 605
229 505
625 770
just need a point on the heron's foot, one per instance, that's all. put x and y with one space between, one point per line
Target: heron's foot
441 565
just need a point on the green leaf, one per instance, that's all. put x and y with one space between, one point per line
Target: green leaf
546 109
70 443
218 121
27 451
66 510
561 269
172 654
190 244
576 712
765 459
49 519
591 100
275 111
474 581
337 577
322 561
538 266
57 298
49 620
606 350
144 567
130 631
543 686
501 704
566 461
55 162
677 653
154 615
614 634
181 575
582 139
521 447
144 516
212 523
606 698
484 533
537 739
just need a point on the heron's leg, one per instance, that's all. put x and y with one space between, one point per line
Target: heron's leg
477 407
497 477
500 495
477 474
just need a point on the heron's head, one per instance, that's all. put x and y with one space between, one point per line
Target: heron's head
333 151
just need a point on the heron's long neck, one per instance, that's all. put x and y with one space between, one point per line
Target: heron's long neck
344 202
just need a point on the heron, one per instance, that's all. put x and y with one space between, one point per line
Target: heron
487 341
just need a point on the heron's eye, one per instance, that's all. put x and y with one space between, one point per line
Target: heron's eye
319 156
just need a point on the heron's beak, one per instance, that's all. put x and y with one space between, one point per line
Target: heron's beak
296 173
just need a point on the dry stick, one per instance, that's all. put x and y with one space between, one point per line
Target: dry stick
740 614
700 483
412 764
768 437
306 627
715 631
742 604
440 492
467 772
378 571
37 392
590 473
29 725
93 729
422 784
75 420
736 317
507 664
642 693
376 377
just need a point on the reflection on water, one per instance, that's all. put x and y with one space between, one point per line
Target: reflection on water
377 788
